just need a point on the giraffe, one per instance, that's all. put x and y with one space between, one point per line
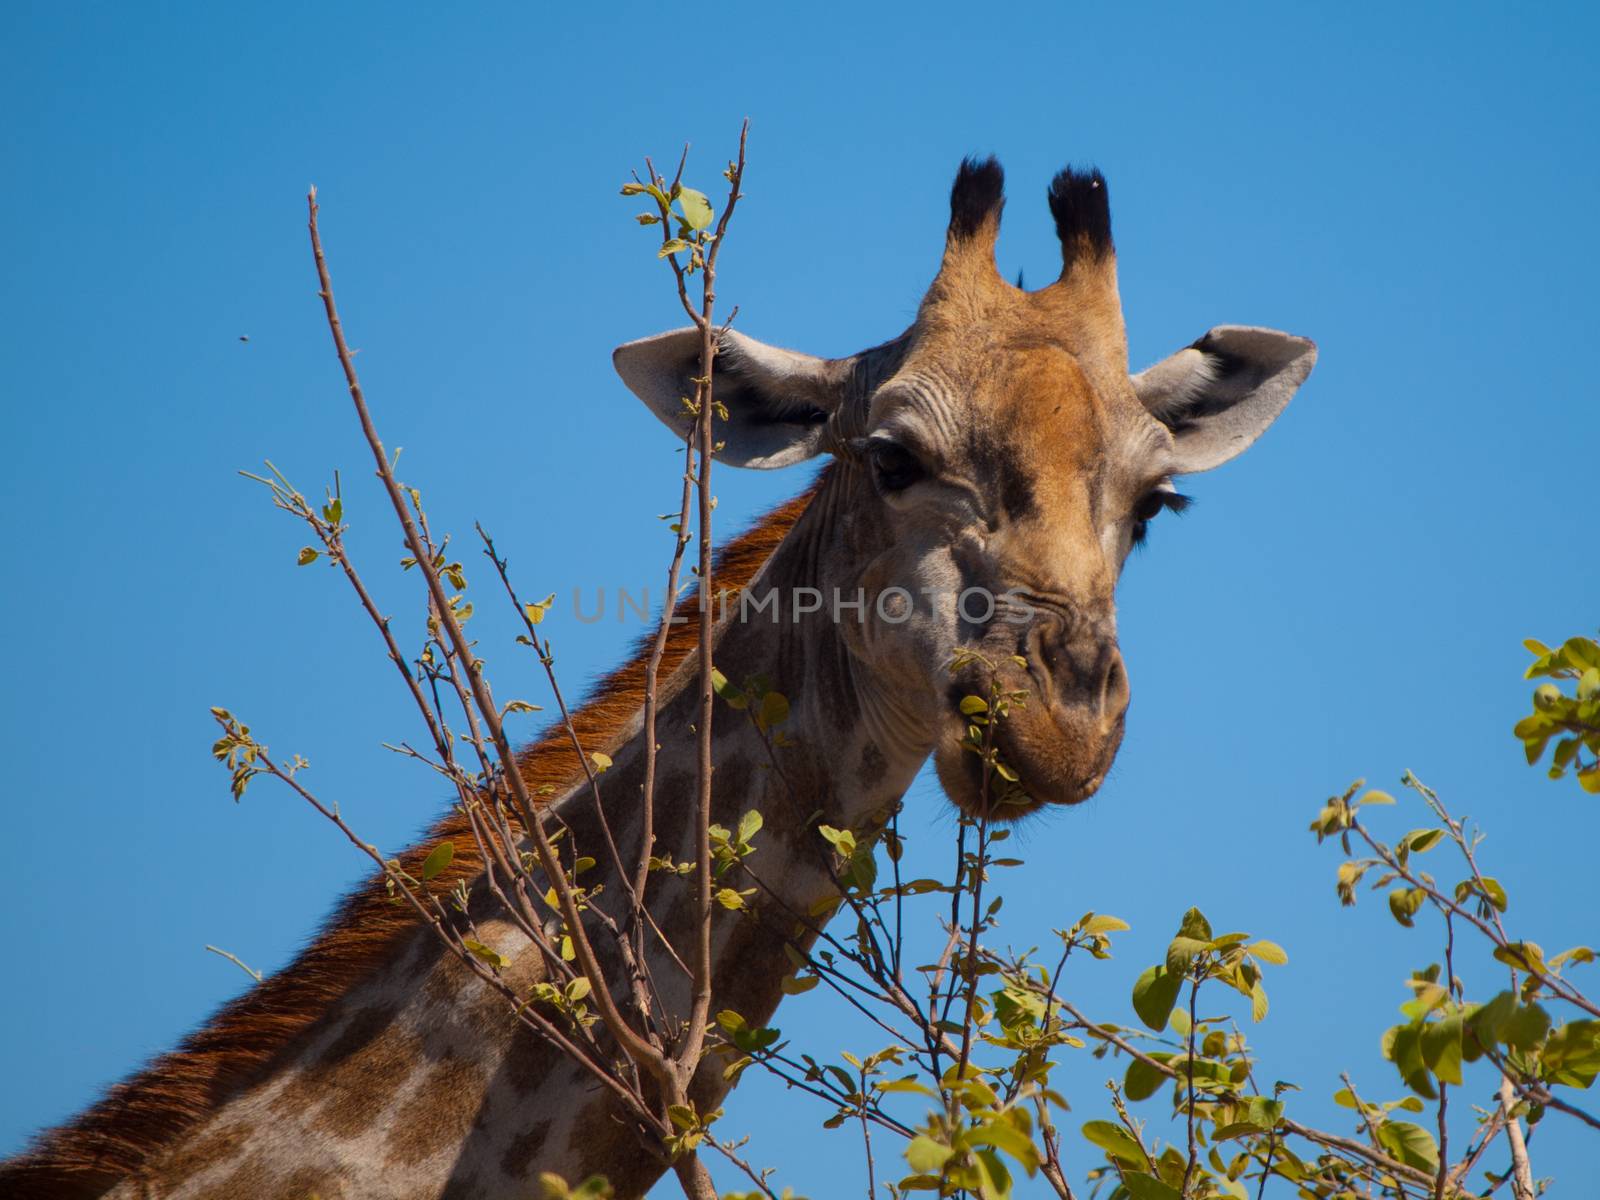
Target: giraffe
998 448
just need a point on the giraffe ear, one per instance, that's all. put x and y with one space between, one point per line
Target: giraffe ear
778 401
1218 395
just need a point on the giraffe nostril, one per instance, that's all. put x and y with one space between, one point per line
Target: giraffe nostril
1114 687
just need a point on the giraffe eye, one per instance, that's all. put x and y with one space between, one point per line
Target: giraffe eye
1149 507
894 468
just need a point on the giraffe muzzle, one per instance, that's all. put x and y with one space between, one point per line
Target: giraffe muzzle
1054 745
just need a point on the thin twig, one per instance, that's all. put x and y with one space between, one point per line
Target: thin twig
866 1139
688 1057
1194 1149
237 961
1444 1088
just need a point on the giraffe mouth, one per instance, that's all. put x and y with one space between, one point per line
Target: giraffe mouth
1055 767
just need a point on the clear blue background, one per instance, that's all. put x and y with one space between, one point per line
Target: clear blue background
1413 186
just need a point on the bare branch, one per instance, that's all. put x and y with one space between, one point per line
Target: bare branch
1521 1169
637 1047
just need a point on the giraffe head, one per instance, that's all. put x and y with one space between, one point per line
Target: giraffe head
1005 462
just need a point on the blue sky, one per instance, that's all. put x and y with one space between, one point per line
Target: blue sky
1412 187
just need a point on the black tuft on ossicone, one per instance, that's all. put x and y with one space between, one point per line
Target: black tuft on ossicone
1082 211
979 190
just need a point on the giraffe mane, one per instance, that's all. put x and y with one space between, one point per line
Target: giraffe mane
148 1112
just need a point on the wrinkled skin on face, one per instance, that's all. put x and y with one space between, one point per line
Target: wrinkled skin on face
1008 461
1009 526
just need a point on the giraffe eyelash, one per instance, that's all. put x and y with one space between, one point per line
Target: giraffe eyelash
1173 502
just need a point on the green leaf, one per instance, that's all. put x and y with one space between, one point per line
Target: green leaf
1404 903
749 825
602 762
481 952
1154 994
1258 1001
1376 797
1148 1187
438 859
1182 952
1007 1137
1114 1140
894 845
971 706
994 1181
1142 1080
1265 1113
1410 1144
697 212
1441 1048
1402 1046
735 697
774 710
908 1084
1419 841
841 840
1571 1055
1581 653
1268 952
925 1154
1578 954
1102 923
1195 925
1526 1027
1495 893
1522 955
579 988
1236 1129
1486 1022
308 556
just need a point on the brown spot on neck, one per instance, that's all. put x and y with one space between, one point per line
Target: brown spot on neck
873 767
519 1156
440 1112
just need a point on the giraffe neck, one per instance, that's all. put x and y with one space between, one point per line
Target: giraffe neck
417 1082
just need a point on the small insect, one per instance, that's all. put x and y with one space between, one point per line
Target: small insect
244 337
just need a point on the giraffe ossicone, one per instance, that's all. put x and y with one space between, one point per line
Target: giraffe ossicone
1000 446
